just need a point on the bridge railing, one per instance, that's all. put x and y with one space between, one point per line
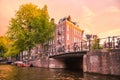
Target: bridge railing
72 47
111 42
91 44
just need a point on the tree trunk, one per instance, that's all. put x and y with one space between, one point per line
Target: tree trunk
21 56
29 53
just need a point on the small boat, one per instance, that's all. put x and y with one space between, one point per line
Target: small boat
26 65
22 64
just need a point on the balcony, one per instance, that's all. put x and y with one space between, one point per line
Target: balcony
59 32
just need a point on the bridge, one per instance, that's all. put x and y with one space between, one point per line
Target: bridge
69 60
69 55
80 48
73 56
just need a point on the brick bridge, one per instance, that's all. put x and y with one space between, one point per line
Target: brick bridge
70 60
73 59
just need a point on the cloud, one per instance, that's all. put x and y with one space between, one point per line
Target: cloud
111 33
86 12
109 19
87 16
112 9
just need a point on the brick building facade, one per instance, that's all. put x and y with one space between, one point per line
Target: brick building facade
67 35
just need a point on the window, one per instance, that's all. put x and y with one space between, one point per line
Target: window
62 28
68 28
67 36
63 37
74 39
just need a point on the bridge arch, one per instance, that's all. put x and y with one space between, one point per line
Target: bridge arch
72 61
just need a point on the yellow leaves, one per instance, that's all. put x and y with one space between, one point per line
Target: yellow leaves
4 44
12 51
5 40
27 11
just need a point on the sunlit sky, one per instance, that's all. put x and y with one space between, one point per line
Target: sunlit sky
101 17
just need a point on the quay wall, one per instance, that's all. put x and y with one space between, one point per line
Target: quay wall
102 62
47 62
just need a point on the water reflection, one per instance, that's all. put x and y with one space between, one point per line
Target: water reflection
8 72
99 77
62 74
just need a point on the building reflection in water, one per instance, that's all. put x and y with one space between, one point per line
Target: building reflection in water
88 76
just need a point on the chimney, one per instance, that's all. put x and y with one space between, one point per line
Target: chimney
69 18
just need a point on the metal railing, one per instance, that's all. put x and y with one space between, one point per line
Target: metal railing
73 47
110 42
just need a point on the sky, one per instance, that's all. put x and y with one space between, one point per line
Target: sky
100 17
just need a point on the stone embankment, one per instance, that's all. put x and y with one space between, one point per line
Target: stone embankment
46 62
102 62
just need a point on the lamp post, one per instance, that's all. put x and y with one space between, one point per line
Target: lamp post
113 43
109 44
88 36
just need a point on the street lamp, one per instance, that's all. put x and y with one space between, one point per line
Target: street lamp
88 36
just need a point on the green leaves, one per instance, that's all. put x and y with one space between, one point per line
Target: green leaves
30 26
12 51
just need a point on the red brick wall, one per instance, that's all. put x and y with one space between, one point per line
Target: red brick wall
69 29
103 62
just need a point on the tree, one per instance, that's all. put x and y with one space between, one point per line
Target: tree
29 27
2 47
95 43
4 44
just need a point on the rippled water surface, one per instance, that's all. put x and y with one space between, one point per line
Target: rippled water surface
8 72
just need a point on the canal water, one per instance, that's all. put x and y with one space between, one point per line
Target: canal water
9 72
